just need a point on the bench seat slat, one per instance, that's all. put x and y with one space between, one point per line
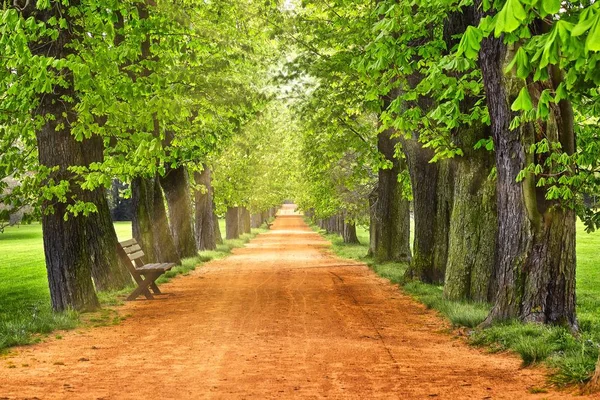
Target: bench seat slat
132 249
136 255
128 243
156 267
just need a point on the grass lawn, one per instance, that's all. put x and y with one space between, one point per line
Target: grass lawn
571 359
24 295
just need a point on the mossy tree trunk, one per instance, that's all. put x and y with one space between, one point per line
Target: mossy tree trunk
349 234
218 235
177 193
232 223
245 220
68 254
392 236
204 213
256 220
74 249
472 256
372 222
150 224
536 237
432 203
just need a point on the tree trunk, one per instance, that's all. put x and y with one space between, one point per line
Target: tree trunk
372 222
349 234
256 220
232 223
218 235
204 221
74 249
472 256
245 222
536 237
392 241
177 193
432 204
67 250
150 224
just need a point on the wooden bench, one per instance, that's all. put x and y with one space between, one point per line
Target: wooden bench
144 275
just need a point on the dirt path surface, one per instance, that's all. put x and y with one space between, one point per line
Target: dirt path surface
280 318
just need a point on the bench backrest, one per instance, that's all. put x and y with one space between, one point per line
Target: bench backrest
134 252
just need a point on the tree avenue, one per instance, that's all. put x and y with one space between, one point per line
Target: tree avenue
471 124
488 107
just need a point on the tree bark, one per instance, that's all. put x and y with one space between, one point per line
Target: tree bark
218 235
392 242
205 218
432 185
372 223
177 193
74 249
150 224
245 222
472 249
536 237
472 255
256 220
349 234
232 223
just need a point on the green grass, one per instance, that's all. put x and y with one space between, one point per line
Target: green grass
25 311
572 359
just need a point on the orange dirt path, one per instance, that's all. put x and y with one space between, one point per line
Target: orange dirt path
281 318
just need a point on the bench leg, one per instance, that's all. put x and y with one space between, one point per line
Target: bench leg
140 282
155 288
143 286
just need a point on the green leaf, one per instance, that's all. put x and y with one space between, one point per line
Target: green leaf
523 101
593 40
550 6
586 20
521 60
510 17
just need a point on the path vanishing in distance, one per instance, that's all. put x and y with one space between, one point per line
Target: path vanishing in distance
280 318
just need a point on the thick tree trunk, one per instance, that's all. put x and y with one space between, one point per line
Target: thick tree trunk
205 218
177 193
150 224
372 223
349 234
536 237
245 222
218 234
432 203
392 242
66 248
232 223
81 246
472 256
256 220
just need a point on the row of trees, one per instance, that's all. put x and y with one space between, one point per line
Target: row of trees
147 92
484 114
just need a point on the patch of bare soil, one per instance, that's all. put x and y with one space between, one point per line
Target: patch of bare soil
280 318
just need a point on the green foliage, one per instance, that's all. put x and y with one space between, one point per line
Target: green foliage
257 169
160 85
337 118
